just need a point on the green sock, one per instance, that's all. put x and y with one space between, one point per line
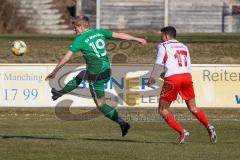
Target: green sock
71 85
110 112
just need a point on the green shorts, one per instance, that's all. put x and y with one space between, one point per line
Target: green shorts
98 83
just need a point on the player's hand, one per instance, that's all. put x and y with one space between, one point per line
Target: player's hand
150 82
162 75
142 41
50 76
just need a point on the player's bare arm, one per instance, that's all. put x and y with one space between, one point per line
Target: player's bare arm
60 64
129 37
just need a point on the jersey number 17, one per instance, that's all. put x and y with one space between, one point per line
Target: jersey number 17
181 56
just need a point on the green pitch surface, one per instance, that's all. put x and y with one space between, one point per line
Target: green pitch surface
205 48
31 137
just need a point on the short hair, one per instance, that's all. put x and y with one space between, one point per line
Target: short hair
170 30
81 21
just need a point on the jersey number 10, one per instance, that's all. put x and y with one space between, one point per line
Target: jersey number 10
181 56
98 45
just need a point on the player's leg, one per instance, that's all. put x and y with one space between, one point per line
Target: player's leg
164 110
187 93
98 94
200 115
169 93
70 86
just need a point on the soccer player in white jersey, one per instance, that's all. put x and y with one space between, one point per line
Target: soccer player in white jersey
174 57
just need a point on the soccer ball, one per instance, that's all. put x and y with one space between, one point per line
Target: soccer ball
18 48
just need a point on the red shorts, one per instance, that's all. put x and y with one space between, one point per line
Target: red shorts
180 83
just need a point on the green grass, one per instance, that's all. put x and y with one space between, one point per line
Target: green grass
150 36
210 48
38 136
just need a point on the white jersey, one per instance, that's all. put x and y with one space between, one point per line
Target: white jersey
175 58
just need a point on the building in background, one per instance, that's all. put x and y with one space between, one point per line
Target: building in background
187 15
231 16
54 16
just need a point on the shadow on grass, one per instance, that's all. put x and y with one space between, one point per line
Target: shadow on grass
125 141
30 137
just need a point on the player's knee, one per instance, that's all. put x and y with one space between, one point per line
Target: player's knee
162 110
82 75
101 102
193 109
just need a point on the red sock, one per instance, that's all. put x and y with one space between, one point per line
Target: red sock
173 123
202 118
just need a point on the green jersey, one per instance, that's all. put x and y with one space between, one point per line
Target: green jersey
92 44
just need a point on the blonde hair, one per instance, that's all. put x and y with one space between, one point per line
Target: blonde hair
81 21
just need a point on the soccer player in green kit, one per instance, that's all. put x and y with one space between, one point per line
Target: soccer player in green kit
91 43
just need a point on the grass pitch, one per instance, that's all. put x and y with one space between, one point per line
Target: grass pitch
205 48
40 135
31 136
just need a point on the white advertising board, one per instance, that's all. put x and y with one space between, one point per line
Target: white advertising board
23 85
